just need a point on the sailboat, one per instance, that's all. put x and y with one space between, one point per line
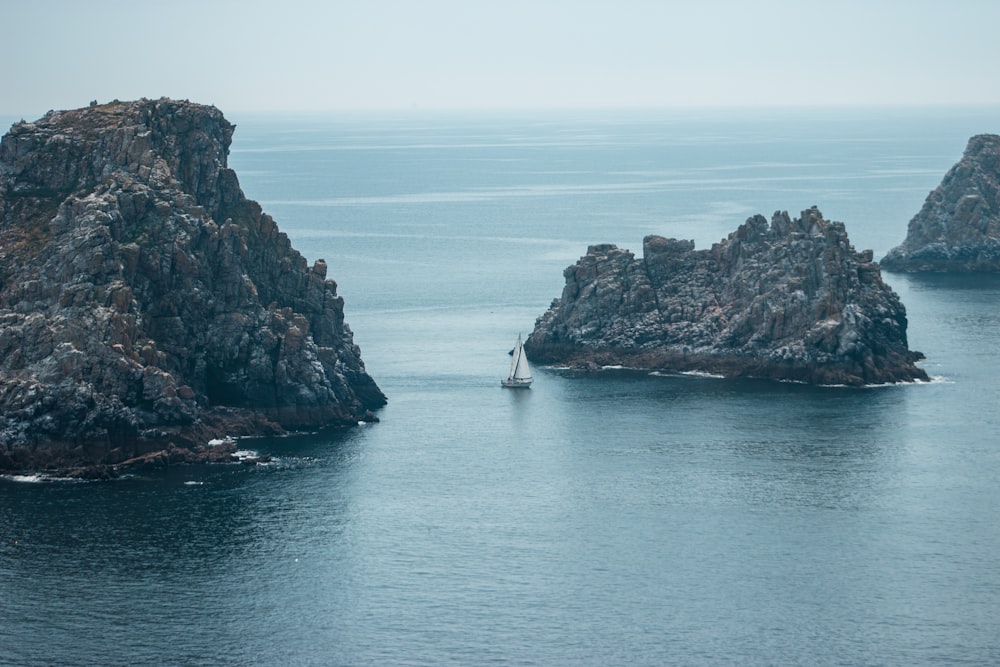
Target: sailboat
520 372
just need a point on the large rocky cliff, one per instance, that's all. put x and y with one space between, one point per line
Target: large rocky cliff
146 305
788 300
958 227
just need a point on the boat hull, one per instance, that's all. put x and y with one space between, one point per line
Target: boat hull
516 384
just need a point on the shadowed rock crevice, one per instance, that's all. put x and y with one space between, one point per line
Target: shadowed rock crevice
789 300
144 301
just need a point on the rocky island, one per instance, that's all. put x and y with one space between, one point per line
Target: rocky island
147 306
958 227
789 300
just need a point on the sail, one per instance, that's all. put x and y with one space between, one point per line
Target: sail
515 356
521 370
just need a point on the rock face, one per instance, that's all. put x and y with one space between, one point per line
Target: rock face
791 300
146 305
958 228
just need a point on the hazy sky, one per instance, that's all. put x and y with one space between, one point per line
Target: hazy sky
376 54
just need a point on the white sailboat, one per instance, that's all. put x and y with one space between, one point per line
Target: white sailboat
520 372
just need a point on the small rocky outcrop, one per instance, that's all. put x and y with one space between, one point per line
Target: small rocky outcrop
789 300
958 228
146 305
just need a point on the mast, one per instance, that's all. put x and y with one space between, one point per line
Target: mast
515 359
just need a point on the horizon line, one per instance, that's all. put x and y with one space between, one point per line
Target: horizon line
420 109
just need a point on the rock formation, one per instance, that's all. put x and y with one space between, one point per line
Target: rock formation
146 305
958 228
791 300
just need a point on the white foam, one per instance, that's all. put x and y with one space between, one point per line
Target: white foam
27 479
36 478
906 383
703 374
243 455
690 374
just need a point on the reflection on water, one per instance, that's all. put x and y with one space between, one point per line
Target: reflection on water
953 282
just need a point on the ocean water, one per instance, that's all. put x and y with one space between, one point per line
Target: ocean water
609 519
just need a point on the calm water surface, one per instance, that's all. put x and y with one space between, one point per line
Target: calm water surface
593 520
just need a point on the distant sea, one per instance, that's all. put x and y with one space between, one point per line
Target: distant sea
611 519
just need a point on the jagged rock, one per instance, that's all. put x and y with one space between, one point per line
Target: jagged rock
958 228
145 302
791 300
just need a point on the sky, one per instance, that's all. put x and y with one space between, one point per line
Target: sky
315 55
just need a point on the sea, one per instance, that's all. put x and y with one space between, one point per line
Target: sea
611 518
